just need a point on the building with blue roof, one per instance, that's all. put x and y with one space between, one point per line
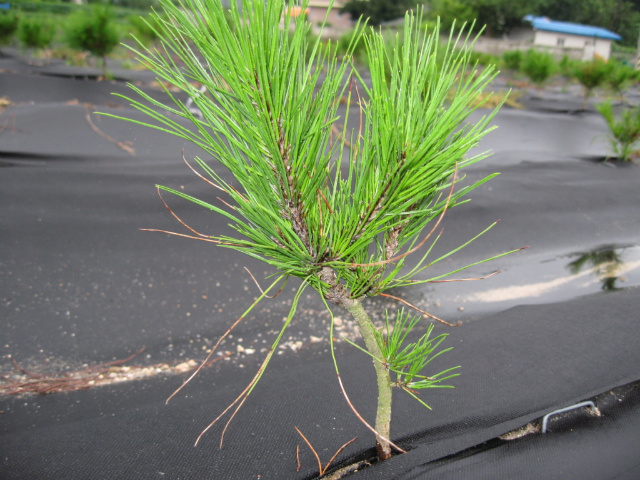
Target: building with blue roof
586 40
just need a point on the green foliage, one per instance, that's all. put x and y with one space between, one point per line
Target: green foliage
591 75
345 45
295 210
8 26
500 17
344 214
620 77
566 65
46 8
512 59
144 28
537 65
483 59
625 129
452 12
93 30
36 32
135 4
409 360
378 11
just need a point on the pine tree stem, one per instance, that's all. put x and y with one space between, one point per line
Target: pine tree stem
383 414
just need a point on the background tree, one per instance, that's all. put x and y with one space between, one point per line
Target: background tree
378 11
93 30
501 16
451 12
36 32
8 26
624 128
591 75
537 65
620 77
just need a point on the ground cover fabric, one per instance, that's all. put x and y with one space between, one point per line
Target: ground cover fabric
82 285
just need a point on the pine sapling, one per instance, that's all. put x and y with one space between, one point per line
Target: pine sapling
343 215
624 129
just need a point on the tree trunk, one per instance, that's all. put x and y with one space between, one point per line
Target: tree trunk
383 414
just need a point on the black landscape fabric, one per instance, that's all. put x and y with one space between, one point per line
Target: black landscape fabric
82 286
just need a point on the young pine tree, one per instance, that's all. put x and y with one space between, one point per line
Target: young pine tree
345 227
93 30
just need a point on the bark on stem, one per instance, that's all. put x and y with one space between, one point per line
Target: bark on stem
383 414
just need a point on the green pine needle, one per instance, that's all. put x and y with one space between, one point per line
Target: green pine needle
270 111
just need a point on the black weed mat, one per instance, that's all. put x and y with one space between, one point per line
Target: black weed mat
82 287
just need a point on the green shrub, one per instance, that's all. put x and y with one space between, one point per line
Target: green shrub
144 28
512 59
8 26
591 75
537 65
625 129
93 30
36 32
567 65
483 59
46 8
620 77
359 49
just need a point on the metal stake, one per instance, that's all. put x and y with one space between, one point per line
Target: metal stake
545 419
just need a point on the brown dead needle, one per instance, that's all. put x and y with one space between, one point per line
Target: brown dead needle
43 384
84 378
321 470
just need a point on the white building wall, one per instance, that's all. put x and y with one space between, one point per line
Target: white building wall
590 46
337 23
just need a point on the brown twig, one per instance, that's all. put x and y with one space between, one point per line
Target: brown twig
12 120
364 422
326 467
421 311
218 242
84 378
338 134
224 335
325 201
130 150
321 470
174 215
215 185
260 288
88 377
240 398
227 204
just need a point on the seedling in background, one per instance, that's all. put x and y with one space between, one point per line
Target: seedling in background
624 129
591 75
345 228
93 30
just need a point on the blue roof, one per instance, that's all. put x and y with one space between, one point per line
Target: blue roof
543 23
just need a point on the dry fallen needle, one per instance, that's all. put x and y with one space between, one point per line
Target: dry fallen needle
26 382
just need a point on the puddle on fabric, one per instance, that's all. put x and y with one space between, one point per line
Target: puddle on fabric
608 267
